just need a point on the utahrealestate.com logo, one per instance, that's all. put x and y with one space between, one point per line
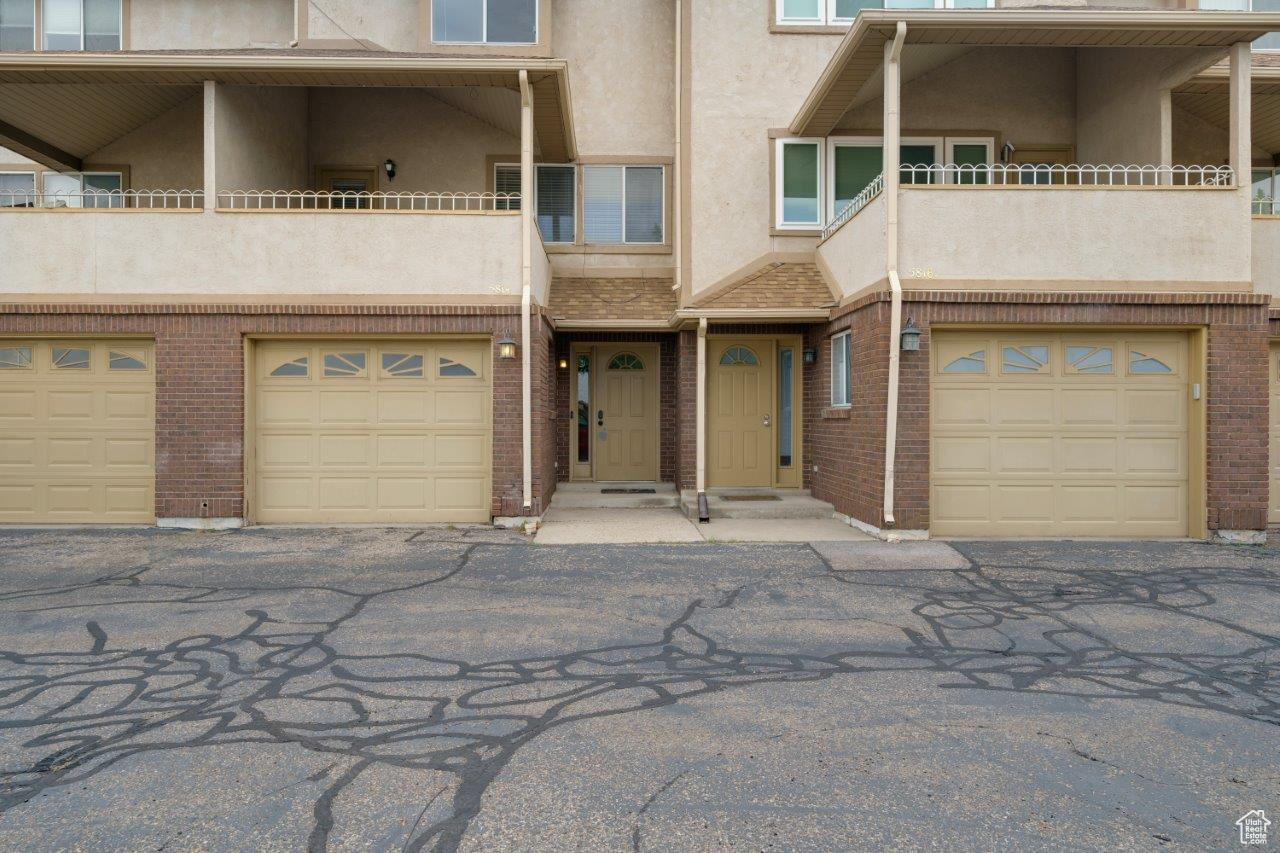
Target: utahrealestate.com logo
1253 827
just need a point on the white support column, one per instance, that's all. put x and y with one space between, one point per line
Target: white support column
210 146
1241 135
526 285
892 179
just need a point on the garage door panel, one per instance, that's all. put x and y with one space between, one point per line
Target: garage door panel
77 432
393 432
1024 454
1090 454
1022 406
1087 434
963 406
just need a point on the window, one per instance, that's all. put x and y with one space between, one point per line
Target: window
1024 359
484 21
739 356
1271 41
1263 192
295 368
70 358
968 156
974 362
15 358
451 368
403 365
344 364
584 408
555 198
506 182
836 12
126 360
786 358
840 369
626 361
17 189
622 204
799 176
83 189
17 25
93 25
1087 359
1143 363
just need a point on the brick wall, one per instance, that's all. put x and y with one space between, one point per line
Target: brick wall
668 398
200 385
849 452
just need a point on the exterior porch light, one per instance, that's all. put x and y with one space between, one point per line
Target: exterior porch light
810 356
506 346
910 337
390 167
564 364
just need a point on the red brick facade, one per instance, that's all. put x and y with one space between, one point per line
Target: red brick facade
849 451
200 385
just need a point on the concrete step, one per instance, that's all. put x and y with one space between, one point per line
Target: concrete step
789 503
592 496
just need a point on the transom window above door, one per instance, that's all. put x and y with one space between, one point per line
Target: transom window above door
484 21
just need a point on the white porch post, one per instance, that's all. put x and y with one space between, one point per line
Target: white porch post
526 285
210 142
892 180
1241 135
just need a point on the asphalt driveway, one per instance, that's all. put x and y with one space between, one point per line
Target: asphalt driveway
370 689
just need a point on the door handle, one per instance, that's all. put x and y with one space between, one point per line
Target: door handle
600 417
766 420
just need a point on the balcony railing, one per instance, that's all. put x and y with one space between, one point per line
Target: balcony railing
102 200
851 209
367 201
1075 175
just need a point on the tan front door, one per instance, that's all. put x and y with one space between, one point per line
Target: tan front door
372 431
1273 514
77 431
741 413
1060 434
624 419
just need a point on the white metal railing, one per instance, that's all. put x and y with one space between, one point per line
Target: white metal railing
354 201
851 209
1074 175
102 200
1264 206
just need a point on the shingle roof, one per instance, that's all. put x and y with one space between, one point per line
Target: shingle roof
777 285
637 299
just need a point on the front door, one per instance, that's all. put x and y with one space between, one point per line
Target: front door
624 423
740 405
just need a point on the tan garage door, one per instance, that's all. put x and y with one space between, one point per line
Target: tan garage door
77 431
1273 516
372 431
1059 434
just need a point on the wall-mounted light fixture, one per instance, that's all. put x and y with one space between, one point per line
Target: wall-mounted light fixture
390 168
810 356
910 336
506 346
564 364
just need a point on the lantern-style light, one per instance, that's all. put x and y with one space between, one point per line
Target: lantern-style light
506 346
911 337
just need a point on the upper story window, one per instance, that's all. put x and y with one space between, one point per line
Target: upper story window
17 189
484 21
840 12
82 189
92 25
17 25
621 205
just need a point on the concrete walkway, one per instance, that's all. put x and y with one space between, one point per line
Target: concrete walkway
578 526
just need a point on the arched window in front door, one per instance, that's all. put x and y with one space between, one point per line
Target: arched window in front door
739 356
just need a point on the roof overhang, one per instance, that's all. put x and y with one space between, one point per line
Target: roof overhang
38 90
860 54
1206 97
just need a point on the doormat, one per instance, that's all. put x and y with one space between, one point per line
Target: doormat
628 491
750 498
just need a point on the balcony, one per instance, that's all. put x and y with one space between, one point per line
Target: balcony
1060 227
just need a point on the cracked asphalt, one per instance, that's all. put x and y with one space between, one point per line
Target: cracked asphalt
442 689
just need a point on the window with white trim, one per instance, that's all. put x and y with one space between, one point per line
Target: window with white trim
554 197
82 189
841 368
17 189
798 175
17 25
839 12
622 204
484 21
90 25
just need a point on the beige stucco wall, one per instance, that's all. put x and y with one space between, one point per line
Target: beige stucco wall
166 153
392 24
1075 234
1023 95
168 24
261 137
1266 256
436 147
854 256
746 80
12 158
205 254
621 71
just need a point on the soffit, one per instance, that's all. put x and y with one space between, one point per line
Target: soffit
1207 96
861 53
88 100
